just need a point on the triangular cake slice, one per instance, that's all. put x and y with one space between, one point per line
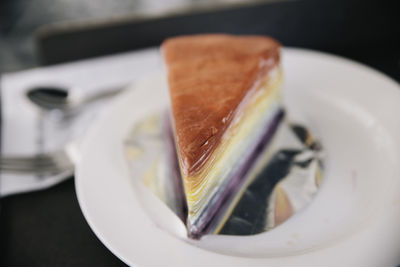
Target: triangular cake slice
226 107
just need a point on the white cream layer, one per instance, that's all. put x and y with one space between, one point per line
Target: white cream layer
247 127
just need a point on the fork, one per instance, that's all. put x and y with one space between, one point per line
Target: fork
46 163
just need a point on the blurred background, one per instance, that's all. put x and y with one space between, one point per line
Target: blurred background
20 19
367 31
47 228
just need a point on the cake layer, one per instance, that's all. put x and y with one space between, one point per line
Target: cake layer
221 204
229 163
252 117
226 102
209 76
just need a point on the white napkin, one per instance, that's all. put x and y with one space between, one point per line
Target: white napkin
26 130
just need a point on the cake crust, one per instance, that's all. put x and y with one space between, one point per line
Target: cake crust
209 76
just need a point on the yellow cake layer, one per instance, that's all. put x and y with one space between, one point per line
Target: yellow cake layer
262 102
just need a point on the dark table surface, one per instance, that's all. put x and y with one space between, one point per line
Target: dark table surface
47 228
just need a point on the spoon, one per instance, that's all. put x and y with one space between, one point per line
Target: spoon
51 98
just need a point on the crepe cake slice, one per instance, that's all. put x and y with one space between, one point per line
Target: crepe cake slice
226 108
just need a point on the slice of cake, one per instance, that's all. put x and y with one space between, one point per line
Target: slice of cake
226 108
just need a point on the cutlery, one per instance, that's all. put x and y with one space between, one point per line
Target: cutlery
58 98
46 163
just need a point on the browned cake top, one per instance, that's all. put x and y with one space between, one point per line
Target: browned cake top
208 77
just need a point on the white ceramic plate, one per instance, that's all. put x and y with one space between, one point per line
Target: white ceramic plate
353 220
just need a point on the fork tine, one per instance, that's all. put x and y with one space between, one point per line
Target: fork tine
53 169
35 169
50 162
37 163
33 164
28 164
38 158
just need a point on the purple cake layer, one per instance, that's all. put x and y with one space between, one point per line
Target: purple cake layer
174 171
219 204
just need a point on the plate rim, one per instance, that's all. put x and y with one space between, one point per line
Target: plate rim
119 99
